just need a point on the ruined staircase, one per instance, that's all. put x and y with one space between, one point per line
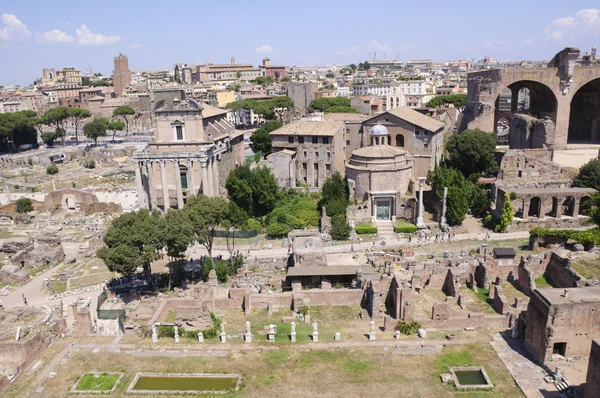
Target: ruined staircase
385 229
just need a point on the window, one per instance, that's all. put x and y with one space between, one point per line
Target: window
301 140
179 132
315 140
417 132
348 142
426 132
290 140
327 167
184 181
304 153
426 145
316 154
304 166
325 140
328 155
400 140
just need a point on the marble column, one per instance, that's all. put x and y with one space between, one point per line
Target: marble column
215 169
576 208
373 215
443 218
192 182
420 212
177 176
204 178
151 185
559 204
209 183
139 185
165 187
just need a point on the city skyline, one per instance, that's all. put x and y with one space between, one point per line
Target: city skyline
339 33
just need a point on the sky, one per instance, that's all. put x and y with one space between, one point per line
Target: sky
156 34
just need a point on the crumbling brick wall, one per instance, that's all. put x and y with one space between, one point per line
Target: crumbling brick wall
560 273
592 386
499 301
17 355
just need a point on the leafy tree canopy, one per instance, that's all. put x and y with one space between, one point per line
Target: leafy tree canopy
323 104
261 140
254 191
458 100
205 215
472 152
589 175
23 205
96 129
341 109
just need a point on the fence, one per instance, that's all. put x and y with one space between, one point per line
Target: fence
109 314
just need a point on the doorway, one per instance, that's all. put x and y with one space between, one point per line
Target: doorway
383 209
560 349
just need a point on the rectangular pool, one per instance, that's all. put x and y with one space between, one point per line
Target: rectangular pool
184 382
470 377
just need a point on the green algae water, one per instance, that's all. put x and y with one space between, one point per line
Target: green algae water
185 383
470 377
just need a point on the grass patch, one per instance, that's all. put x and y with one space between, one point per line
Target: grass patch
58 286
102 382
588 267
6 234
357 367
457 358
276 358
170 318
542 282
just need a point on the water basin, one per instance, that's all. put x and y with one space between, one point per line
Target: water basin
470 377
218 383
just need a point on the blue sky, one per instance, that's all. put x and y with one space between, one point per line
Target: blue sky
156 34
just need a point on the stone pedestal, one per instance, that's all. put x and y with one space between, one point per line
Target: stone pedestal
315 337
223 338
420 208
200 337
248 337
397 334
372 336
271 338
293 337
422 333
337 337
154 334
176 334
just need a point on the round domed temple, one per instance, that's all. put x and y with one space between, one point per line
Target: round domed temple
378 176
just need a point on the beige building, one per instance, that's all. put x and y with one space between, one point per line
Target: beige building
318 148
69 75
193 152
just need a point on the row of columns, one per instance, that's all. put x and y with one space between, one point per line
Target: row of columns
146 188
544 207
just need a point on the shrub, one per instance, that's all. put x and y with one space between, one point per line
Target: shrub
24 205
365 229
590 236
90 164
408 328
513 195
340 230
52 169
405 228
207 265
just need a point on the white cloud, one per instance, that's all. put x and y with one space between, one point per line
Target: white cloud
527 42
496 44
14 31
136 45
585 22
377 46
86 38
342 53
53 36
265 48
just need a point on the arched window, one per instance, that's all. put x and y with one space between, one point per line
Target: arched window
400 140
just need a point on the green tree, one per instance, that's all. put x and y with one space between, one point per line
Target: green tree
95 129
323 104
235 218
101 83
353 67
205 215
177 78
366 65
207 266
77 115
457 206
458 100
340 230
52 169
23 205
16 129
254 191
56 118
133 240
178 233
507 215
479 200
261 140
235 87
265 110
341 109
281 104
222 270
589 175
239 188
124 112
277 75
115 126
334 195
472 152
49 138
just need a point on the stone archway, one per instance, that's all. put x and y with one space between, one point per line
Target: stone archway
568 206
584 122
400 140
535 206
526 97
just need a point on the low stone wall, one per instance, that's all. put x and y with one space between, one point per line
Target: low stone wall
526 280
549 222
17 355
335 297
560 273
477 321
500 302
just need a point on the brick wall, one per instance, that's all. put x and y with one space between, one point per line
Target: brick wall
17 355
592 386
561 274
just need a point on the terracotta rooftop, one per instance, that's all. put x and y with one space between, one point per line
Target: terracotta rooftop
418 119
210 111
378 151
329 128
346 117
